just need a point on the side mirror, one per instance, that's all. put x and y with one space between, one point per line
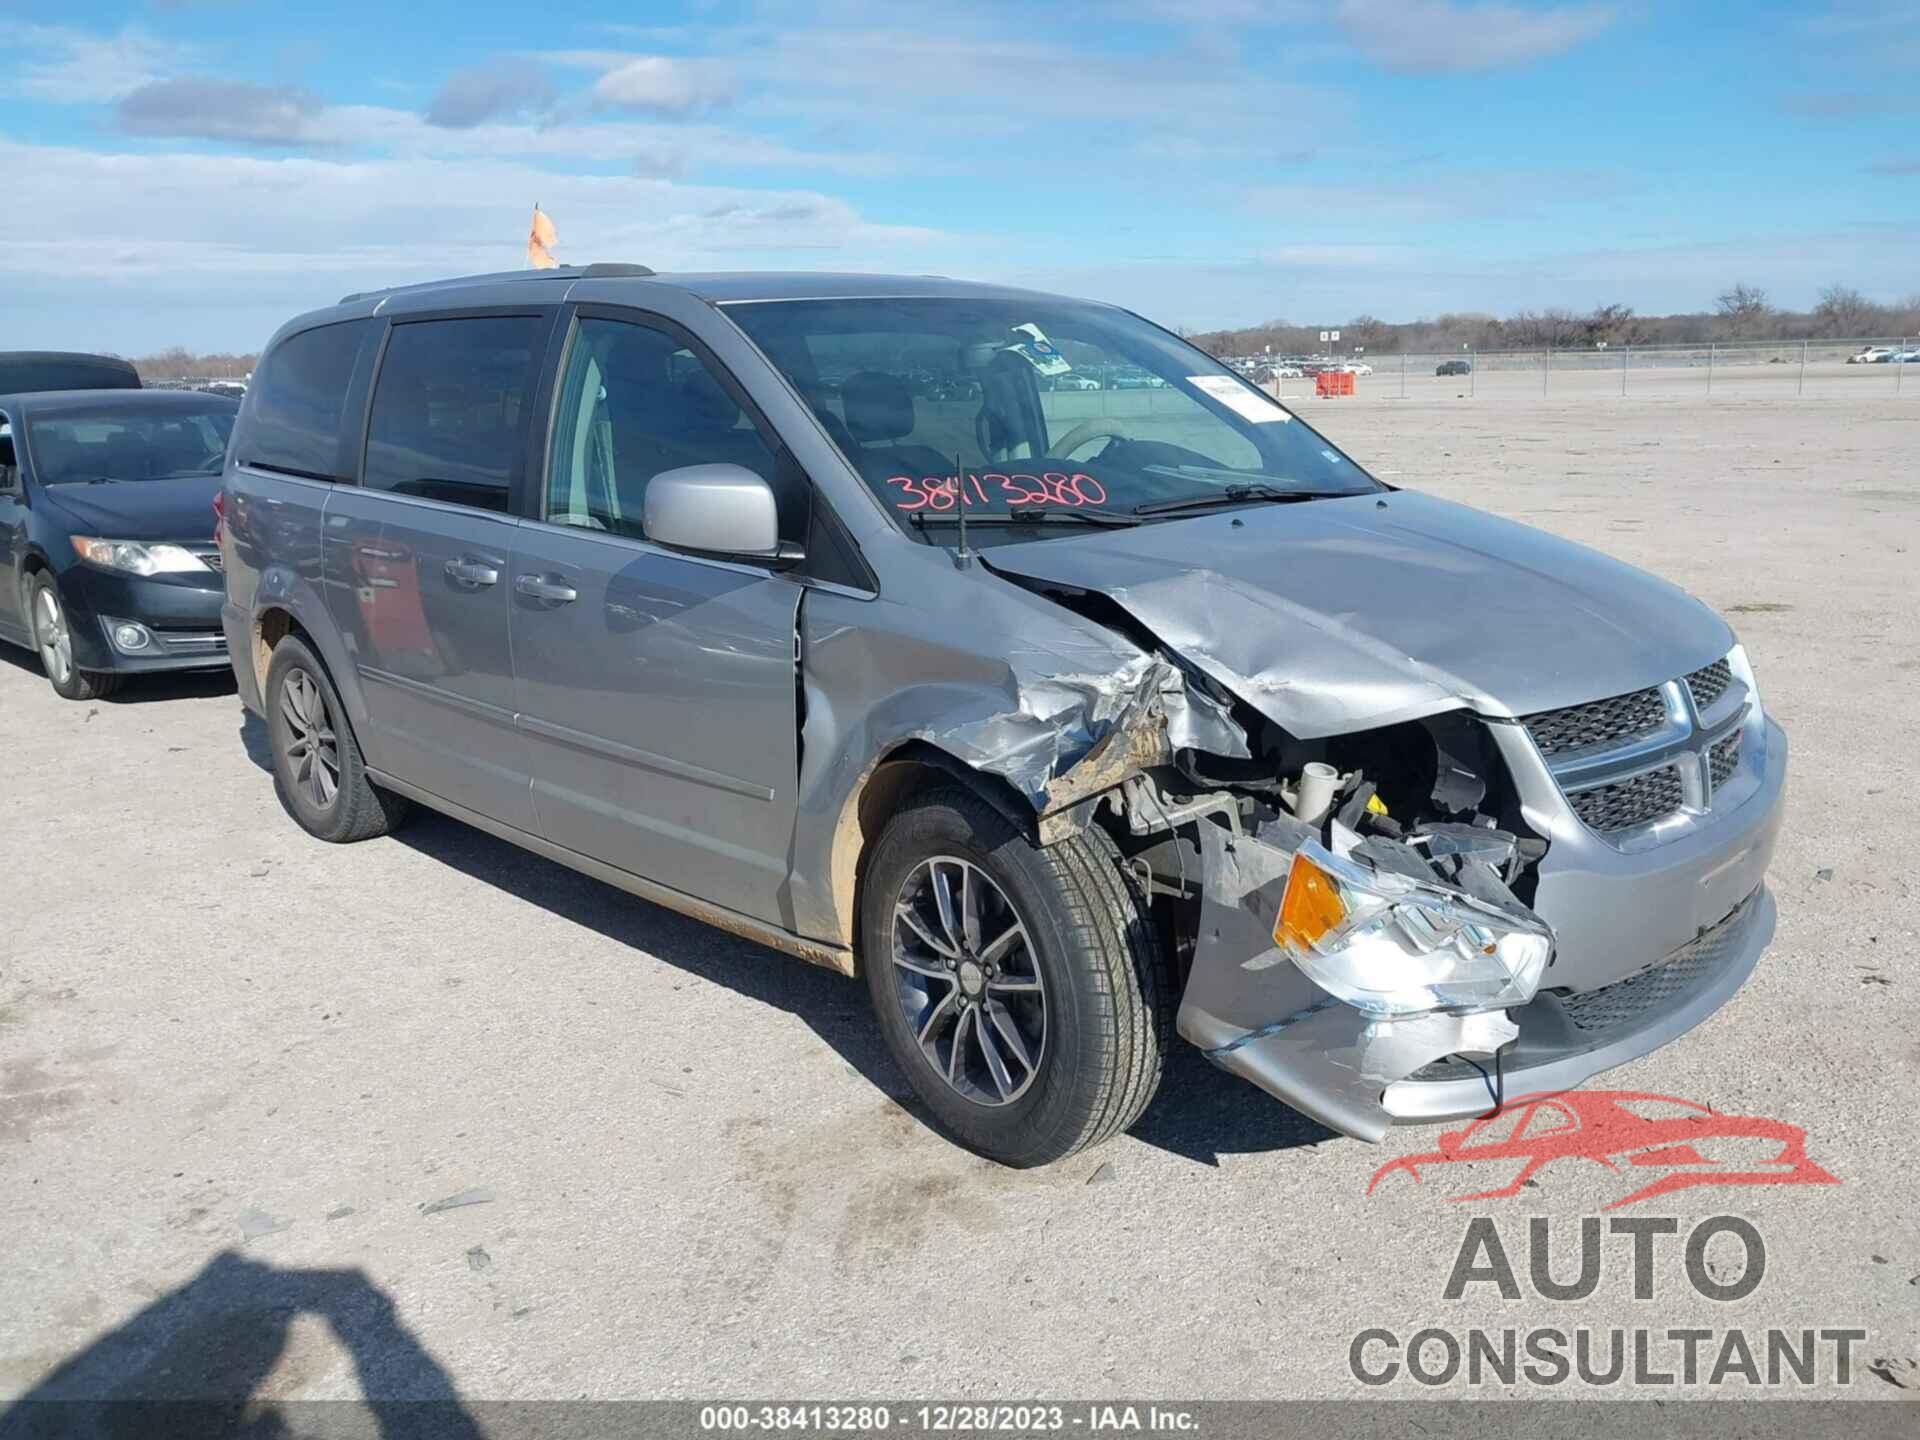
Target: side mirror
724 510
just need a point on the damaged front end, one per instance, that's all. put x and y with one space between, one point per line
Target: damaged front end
1345 926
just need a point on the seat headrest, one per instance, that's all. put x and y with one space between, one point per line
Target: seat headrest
706 405
878 406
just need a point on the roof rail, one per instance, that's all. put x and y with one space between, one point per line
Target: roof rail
599 271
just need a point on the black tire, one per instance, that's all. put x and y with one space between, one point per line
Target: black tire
352 807
69 681
1108 995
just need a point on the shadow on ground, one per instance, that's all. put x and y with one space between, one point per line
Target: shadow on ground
1201 1113
137 689
214 1358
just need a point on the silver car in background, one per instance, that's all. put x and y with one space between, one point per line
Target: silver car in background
835 610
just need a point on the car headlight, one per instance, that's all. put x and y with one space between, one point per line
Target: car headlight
138 557
1390 945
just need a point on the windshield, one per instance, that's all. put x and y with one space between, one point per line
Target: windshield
1049 407
148 443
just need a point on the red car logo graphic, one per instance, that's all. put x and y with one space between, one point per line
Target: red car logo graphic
1687 1143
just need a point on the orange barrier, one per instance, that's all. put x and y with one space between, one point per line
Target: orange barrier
1329 383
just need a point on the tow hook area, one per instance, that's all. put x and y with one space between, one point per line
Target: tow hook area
1255 1012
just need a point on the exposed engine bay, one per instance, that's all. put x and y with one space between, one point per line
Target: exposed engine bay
1370 890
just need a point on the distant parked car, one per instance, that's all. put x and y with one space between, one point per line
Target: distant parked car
107 560
1453 367
1871 355
1356 367
1075 382
26 370
1289 372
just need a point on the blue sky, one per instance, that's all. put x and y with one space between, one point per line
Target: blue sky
194 173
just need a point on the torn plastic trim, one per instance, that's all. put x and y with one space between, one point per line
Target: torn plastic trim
1255 1013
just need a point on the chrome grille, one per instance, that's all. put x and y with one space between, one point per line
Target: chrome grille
1724 759
1624 804
1709 683
191 642
1603 722
1625 1001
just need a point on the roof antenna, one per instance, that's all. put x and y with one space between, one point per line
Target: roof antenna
963 557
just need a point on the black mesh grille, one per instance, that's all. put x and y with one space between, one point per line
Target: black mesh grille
1724 759
1627 803
1710 683
1603 722
1625 1001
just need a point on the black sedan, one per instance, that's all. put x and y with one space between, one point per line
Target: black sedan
1453 367
108 565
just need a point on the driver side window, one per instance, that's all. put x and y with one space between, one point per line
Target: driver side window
636 401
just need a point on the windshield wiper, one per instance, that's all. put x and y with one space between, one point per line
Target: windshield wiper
1231 495
1028 515
88 480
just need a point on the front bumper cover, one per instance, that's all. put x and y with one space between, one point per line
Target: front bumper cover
1256 1014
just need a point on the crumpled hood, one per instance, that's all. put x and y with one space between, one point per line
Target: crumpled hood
179 509
1330 616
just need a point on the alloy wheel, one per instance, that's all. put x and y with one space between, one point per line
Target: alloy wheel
313 748
969 981
55 640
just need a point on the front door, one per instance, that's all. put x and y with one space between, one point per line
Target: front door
657 690
429 538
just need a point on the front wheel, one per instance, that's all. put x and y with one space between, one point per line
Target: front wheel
53 638
1022 989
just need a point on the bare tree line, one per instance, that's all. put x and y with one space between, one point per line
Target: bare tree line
1742 311
177 362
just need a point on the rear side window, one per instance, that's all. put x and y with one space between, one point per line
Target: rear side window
450 409
298 399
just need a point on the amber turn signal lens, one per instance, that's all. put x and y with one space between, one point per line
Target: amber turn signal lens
1310 908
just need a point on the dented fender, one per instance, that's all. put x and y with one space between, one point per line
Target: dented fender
1060 710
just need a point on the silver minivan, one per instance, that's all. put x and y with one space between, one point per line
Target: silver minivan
839 611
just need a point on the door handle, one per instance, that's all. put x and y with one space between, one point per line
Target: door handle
539 587
476 573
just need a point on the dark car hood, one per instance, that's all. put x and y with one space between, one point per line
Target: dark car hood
1330 616
139 509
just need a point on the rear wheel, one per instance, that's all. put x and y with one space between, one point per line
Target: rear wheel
53 638
317 768
1022 989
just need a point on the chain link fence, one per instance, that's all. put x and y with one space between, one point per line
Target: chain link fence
1859 369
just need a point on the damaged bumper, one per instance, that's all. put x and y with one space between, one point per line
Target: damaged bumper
1257 1014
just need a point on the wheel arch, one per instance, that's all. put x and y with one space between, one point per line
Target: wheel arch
279 616
896 777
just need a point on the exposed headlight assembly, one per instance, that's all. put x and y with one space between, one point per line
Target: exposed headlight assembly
137 557
1390 945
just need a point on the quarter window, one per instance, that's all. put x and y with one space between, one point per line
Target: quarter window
450 409
295 410
636 401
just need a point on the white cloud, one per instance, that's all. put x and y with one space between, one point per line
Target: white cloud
55 62
652 84
1445 35
199 247
224 110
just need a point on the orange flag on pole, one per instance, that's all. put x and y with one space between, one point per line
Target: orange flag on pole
541 238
